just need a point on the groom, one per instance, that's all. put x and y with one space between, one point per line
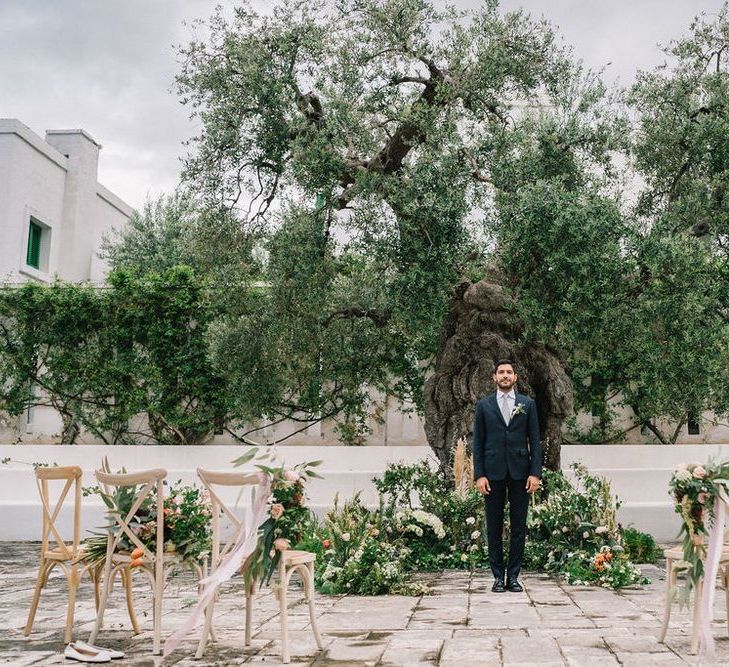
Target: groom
507 457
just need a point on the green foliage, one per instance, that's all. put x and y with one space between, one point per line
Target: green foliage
572 531
422 524
569 517
104 357
360 553
609 568
357 129
640 547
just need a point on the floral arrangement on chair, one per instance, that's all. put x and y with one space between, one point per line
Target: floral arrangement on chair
694 488
187 531
289 519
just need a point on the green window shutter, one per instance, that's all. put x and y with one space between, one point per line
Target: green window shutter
34 245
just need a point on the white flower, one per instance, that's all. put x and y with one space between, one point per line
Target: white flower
682 475
473 547
330 571
346 537
390 570
475 534
464 557
680 466
586 534
518 410
430 520
601 529
470 520
565 529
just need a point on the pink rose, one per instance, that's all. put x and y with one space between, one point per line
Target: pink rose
281 544
291 476
699 472
277 511
702 497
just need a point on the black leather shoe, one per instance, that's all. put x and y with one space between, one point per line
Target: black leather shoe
498 586
514 586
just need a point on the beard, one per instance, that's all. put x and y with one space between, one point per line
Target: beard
505 385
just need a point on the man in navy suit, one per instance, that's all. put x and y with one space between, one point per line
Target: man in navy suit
507 456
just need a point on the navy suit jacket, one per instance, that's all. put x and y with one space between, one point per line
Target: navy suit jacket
498 448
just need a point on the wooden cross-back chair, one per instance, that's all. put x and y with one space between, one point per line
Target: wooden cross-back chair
290 561
55 551
674 555
155 563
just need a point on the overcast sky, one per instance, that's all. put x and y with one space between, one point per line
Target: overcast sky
108 66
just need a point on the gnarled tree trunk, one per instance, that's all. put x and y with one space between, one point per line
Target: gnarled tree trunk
482 327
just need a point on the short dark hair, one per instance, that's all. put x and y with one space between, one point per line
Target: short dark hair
503 362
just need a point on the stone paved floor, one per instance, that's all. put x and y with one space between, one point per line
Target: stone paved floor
459 623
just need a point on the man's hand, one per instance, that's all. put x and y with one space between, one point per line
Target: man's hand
532 483
482 484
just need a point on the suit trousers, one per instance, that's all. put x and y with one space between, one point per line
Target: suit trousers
518 506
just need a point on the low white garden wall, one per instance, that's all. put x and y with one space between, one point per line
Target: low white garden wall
639 476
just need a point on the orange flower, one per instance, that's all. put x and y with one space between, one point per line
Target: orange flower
326 544
137 553
136 562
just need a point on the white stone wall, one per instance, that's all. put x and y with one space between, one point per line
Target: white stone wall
639 475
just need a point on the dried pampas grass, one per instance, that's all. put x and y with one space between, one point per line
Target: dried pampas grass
462 469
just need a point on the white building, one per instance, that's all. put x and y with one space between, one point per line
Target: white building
53 215
53 210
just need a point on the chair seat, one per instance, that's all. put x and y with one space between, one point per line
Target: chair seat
292 557
676 553
60 555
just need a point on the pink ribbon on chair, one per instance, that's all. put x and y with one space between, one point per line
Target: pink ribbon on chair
707 650
246 543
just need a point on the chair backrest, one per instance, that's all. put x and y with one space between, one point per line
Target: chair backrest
72 476
150 480
212 479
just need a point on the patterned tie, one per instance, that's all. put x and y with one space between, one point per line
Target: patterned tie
506 413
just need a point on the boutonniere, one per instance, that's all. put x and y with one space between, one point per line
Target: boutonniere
518 410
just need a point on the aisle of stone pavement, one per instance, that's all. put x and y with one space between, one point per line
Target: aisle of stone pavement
459 623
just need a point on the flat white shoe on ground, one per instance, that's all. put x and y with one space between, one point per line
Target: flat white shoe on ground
113 653
74 652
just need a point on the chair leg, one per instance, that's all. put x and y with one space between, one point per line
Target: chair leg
108 582
250 591
73 582
36 597
669 599
126 574
696 616
309 588
725 576
207 628
159 584
283 604
213 637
